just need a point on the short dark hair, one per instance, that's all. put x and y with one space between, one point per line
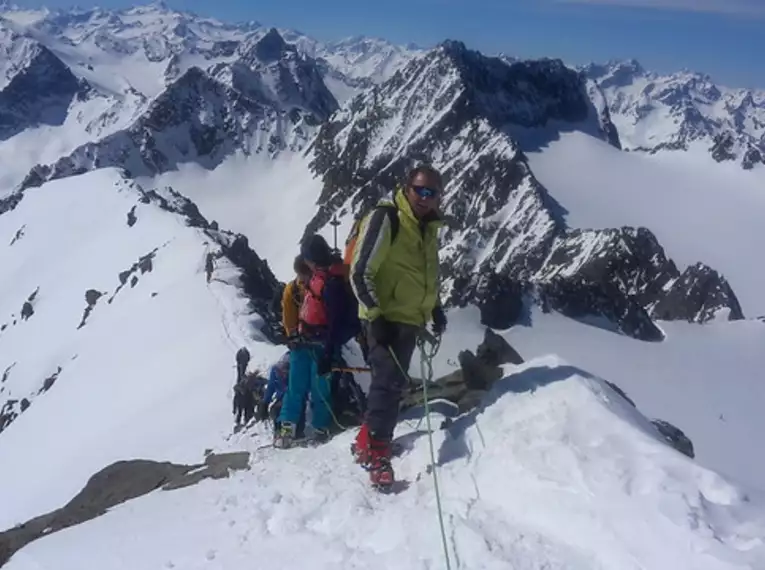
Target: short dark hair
425 169
300 266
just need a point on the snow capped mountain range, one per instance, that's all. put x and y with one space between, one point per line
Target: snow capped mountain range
607 215
679 111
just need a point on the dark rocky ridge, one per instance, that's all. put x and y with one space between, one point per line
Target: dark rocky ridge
258 281
114 485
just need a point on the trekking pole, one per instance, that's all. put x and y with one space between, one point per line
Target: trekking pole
351 369
435 343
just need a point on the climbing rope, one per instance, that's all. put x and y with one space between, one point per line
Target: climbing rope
429 345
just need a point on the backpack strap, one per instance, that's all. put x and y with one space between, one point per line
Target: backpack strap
296 300
392 212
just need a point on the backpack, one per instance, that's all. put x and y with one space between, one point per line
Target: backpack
349 403
313 312
353 236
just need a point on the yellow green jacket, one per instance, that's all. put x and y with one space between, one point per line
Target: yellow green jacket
397 280
292 297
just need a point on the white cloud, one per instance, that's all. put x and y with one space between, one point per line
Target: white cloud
749 7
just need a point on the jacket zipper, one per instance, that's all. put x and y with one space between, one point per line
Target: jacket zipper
425 264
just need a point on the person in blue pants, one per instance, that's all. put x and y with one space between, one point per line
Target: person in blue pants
271 404
327 319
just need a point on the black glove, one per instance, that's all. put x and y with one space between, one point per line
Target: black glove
439 321
324 365
262 413
383 331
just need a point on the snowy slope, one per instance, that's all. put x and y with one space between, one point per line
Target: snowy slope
149 372
85 120
556 471
699 210
682 111
707 380
359 57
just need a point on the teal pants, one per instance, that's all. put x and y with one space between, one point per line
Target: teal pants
304 380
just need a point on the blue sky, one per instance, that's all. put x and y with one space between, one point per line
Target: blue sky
725 38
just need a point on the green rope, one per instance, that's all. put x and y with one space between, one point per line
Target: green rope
426 362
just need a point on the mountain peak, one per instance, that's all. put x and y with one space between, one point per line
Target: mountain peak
270 47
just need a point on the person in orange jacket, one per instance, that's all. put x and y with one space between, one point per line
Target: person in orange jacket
292 297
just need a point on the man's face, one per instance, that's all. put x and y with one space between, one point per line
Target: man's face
424 194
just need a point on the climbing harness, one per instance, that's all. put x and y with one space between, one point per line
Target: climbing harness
428 345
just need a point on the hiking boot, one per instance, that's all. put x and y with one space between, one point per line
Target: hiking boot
285 437
320 436
380 470
381 473
374 455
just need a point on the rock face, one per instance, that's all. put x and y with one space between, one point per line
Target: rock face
91 298
690 107
114 485
12 408
10 202
506 237
698 295
252 105
675 437
477 373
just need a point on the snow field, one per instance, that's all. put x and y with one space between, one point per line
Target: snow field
556 471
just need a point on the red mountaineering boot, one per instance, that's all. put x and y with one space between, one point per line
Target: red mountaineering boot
380 470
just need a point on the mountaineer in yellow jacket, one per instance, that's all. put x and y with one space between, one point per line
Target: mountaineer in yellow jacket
394 274
292 297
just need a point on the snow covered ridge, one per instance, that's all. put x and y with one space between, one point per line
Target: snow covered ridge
554 469
145 44
679 111
268 100
471 116
52 305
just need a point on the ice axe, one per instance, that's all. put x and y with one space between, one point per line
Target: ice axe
335 222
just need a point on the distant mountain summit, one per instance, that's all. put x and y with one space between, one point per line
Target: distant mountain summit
683 110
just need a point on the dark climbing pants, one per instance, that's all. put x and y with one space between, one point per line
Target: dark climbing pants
241 369
388 381
244 404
